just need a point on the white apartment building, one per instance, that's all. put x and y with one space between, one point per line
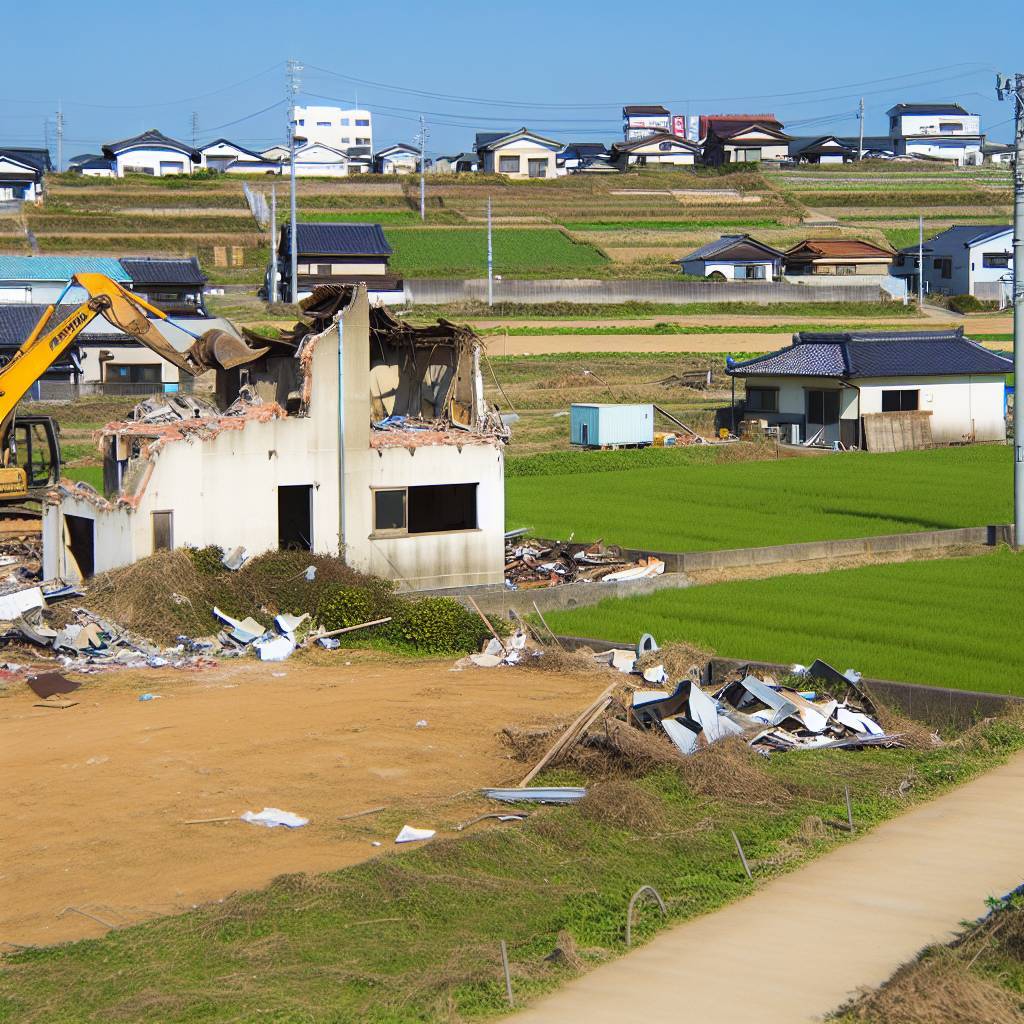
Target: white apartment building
336 128
944 131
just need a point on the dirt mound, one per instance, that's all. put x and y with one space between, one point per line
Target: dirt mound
623 804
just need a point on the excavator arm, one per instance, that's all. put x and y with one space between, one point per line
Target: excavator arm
131 314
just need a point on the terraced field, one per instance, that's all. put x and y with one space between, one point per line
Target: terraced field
624 226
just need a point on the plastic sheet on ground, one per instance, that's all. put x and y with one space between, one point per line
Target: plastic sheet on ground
274 817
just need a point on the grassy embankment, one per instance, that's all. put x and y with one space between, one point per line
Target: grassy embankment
940 622
414 937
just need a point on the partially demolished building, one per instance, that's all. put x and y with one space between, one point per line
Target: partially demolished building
356 434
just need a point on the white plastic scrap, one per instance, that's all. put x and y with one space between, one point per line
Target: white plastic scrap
13 605
244 631
288 624
276 648
310 573
409 834
235 558
274 817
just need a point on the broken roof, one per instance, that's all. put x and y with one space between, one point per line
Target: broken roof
854 354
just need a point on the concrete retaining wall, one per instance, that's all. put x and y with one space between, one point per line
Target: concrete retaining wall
936 706
439 291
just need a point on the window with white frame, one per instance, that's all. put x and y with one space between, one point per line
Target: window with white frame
508 164
433 508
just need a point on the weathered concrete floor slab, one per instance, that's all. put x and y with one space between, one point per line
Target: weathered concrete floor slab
800 946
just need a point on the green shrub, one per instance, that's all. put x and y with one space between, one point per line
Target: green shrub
437 625
968 304
208 560
346 606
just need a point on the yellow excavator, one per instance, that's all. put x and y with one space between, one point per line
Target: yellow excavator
30 445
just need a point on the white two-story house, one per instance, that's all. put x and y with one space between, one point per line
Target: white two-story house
941 130
966 259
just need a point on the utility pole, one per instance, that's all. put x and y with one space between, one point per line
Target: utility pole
1014 88
294 67
60 137
490 258
920 262
195 128
860 147
273 242
421 139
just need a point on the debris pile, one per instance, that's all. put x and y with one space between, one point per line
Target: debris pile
532 563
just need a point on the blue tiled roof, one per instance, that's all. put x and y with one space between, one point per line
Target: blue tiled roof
876 354
340 240
18 319
721 246
146 270
960 235
59 268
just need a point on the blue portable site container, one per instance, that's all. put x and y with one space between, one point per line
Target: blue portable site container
600 426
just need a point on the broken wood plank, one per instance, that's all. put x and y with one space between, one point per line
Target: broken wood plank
360 814
207 821
540 615
486 622
349 629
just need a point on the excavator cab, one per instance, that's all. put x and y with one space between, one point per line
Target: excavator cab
35 449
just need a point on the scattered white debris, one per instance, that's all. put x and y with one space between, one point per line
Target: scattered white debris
409 834
274 817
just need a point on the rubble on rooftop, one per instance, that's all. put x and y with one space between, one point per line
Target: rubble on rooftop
532 563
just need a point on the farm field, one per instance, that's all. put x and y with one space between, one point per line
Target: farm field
625 226
695 500
940 622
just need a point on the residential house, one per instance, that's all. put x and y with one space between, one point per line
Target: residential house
821 149
21 173
943 131
174 285
520 154
576 154
228 157
656 149
829 382
734 258
327 462
277 153
640 120
315 160
400 158
458 163
42 279
998 152
742 138
966 259
152 153
91 165
337 254
837 257
335 128
17 321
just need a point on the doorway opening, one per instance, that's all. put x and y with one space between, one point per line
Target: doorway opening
81 543
295 518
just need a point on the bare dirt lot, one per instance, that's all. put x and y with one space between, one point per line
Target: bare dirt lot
96 794
549 344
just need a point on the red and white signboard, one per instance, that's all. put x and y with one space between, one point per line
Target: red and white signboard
679 125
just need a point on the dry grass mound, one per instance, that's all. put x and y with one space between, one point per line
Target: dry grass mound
558 659
729 770
939 989
174 592
623 804
679 660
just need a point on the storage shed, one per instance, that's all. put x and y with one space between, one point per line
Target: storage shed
611 426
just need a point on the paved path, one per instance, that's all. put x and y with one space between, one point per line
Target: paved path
797 948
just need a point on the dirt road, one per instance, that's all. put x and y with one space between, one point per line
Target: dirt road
799 947
95 795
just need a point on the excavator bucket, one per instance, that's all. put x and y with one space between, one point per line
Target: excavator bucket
219 349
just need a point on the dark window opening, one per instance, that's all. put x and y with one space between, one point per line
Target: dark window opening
295 518
81 543
163 531
905 400
132 373
944 264
437 508
32 452
823 407
324 269
997 260
762 400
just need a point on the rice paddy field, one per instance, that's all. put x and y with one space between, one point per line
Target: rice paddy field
694 500
619 226
947 622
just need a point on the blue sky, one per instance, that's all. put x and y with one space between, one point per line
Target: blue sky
563 68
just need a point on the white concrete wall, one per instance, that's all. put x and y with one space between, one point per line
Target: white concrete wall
959 406
526 151
928 124
151 158
977 271
727 269
334 134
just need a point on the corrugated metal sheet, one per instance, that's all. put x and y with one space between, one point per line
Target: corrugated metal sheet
59 268
611 424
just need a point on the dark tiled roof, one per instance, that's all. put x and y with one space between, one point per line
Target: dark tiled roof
926 108
656 137
740 247
876 354
234 145
707 120
160 271
151 137
486 138
960 235
341 239
836 248
640 110
37 158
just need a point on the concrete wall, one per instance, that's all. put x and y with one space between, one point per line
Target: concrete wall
431 291
960 407
149 160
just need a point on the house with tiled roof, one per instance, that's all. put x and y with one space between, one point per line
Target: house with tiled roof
824 384
21 172
965 259
337 254
837 257
519 154
742 138
655 150
734 258
151 153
